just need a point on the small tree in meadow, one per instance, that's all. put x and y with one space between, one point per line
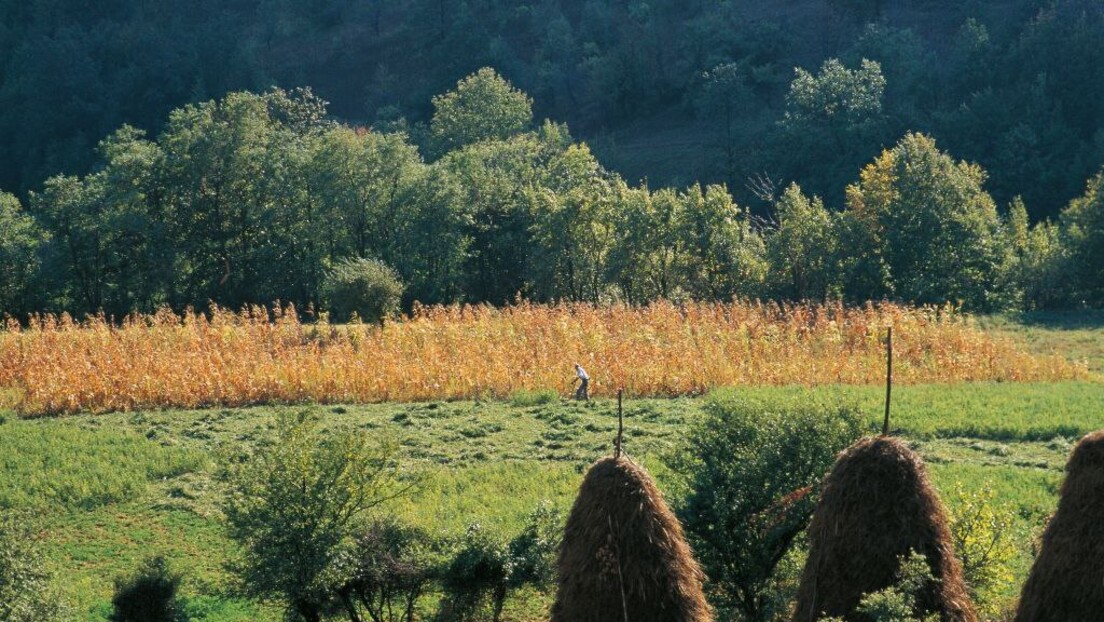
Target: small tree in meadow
752 469
487 567
149 595
293 508
393 565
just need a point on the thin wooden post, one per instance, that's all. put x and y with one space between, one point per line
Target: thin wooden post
889 377
620 426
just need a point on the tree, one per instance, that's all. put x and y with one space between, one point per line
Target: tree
482 106
832 121
20 258
1083 233
933 224
802 248
572 229
487 568
725 257
293 508
752 468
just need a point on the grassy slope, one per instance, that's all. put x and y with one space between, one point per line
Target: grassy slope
115 488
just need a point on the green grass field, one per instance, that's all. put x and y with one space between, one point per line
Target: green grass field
113 489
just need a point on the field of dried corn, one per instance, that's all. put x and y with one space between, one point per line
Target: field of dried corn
56 365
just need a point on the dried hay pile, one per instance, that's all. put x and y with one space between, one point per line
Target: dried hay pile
1066 583
877 504
624 557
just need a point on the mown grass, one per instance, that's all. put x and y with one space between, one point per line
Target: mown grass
113 489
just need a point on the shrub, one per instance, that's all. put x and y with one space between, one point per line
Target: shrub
25 591
624 555
487 568
293 507
534 398
752 469
149 595
392 566
367 289
985 543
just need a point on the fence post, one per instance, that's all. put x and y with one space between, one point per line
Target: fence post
620 427
889 377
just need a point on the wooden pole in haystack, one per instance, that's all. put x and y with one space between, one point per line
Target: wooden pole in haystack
620 426
889 377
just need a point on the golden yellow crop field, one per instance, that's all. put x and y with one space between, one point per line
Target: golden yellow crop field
56 365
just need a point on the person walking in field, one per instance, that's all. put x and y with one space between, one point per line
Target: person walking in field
581 375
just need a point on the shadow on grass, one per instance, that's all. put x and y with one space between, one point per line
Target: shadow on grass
1060 320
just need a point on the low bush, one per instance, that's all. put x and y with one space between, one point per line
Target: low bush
149 595
487 567
392 566
752 468
366 289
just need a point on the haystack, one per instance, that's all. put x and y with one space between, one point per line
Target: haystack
876 505
624 557
1066 583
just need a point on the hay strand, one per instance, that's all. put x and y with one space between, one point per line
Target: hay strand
624 557
878 504
1066 583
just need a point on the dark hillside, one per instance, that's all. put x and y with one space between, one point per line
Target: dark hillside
1013 84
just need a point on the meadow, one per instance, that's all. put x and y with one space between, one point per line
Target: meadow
129 477
114 488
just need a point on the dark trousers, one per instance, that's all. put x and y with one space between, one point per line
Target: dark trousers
581 392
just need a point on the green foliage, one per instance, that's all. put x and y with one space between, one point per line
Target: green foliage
984 540
149 595
752 468
483 106
486 568
26 594
1083 229
391 567
20 260
524 398
293 507
367 289
931 225
898 603
802 250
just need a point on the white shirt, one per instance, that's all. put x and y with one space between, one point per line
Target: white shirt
581 373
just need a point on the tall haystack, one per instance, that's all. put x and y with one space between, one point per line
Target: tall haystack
877 504
1066 583
624 557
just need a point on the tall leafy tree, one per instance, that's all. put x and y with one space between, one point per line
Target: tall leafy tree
483 106
935 227
20 258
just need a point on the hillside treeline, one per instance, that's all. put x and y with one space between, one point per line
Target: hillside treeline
255 198
672 90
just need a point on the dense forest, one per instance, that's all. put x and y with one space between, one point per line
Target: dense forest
674 91
922 151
